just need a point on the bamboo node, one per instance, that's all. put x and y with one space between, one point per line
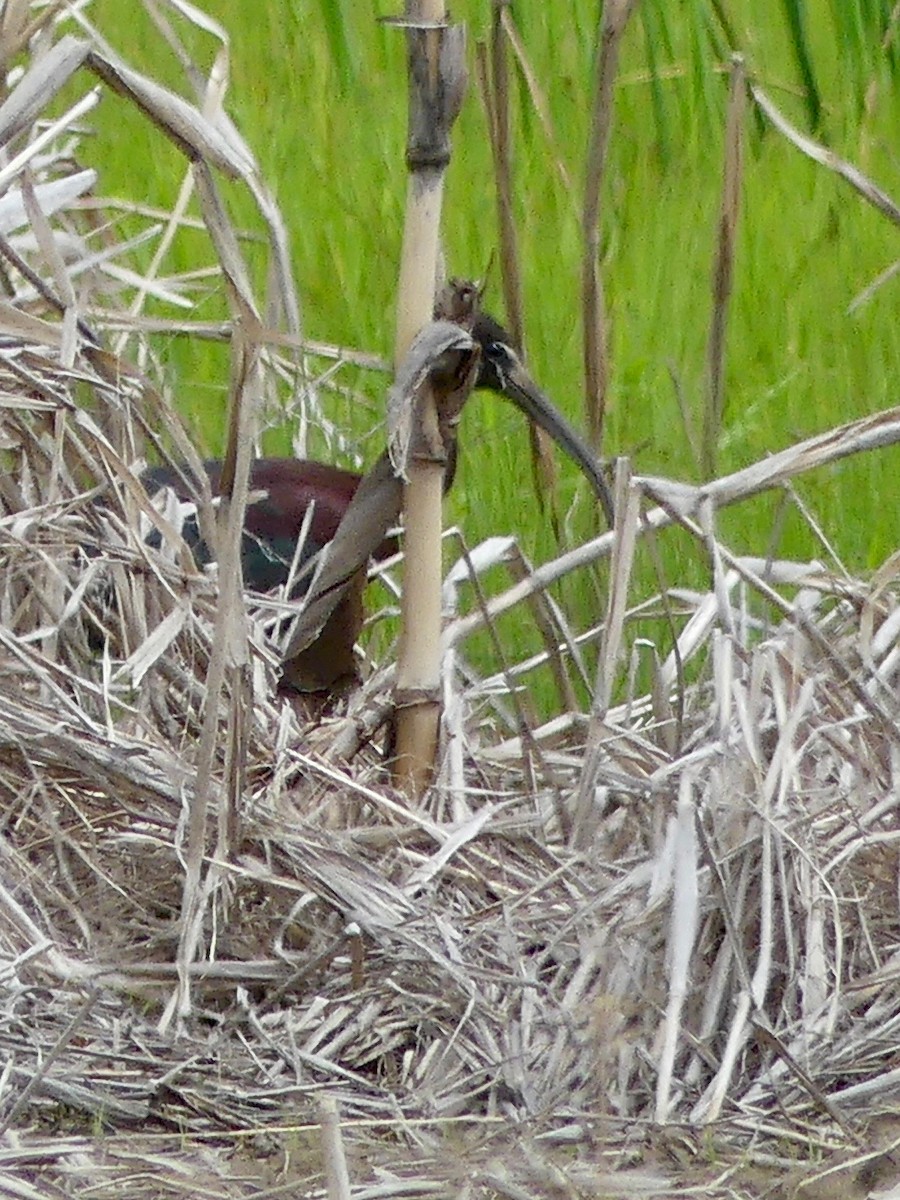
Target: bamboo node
437 84
416 697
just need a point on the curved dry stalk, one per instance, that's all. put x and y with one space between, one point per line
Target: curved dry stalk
495 87
866 187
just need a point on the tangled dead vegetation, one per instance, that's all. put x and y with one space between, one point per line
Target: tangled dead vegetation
650 947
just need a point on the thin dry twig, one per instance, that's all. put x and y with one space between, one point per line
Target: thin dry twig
723 268
613 20
868 189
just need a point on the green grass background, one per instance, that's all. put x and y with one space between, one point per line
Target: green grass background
318 91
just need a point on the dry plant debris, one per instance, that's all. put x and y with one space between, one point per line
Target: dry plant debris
632 952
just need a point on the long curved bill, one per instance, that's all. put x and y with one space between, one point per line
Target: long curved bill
518 386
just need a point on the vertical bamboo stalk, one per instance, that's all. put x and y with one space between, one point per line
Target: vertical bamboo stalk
437 80
723 268
596 354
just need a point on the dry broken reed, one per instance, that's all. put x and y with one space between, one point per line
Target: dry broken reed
635 949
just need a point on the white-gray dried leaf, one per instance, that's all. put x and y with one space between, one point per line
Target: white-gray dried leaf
39 85
51 196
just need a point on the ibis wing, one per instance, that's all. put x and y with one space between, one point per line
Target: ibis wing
373 510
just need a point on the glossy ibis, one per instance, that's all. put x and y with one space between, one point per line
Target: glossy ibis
286 487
